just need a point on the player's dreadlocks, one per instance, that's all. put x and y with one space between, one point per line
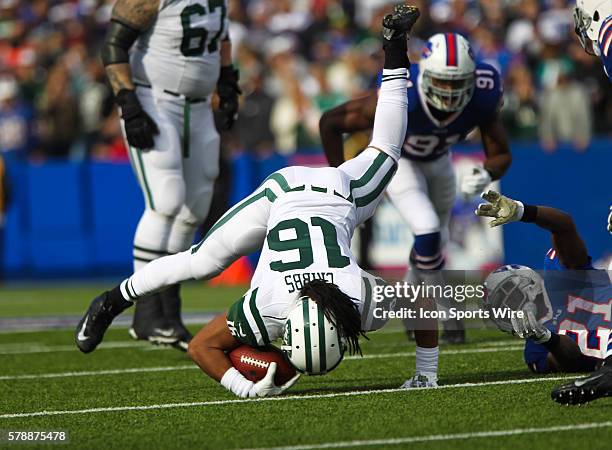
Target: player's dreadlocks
339 309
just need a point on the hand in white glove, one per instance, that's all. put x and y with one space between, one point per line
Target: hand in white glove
528 327
610 220
503 209
266 386
475 182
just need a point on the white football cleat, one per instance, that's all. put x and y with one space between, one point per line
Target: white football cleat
421 380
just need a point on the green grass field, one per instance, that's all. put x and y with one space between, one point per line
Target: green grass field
133 395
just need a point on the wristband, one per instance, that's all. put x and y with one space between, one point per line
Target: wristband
530 213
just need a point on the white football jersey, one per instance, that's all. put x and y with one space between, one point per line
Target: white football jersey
309 234
180 51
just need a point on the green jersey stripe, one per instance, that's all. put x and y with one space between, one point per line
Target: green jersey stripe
318 189
258 320
144 178
267 193
367 199
307 341
242 330
368 175
322 356
282 182
186 128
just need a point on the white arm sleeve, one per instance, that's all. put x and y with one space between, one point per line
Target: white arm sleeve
391 118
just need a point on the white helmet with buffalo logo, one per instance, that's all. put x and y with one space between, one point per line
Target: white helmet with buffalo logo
447 71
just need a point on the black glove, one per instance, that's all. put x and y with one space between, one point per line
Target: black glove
228 91
139 127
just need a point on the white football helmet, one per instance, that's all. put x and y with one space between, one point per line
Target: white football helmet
588 17
517 288
311 341
447 71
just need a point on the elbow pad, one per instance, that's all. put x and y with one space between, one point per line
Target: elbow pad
119 38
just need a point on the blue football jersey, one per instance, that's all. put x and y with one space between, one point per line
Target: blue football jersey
426 138
605 46
581 304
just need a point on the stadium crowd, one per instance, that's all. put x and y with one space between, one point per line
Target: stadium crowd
297 59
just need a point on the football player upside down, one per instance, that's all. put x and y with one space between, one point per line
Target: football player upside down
303 220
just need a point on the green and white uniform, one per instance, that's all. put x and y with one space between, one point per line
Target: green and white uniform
309 229
302 219
175 66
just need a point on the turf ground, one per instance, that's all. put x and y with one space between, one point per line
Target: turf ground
133 395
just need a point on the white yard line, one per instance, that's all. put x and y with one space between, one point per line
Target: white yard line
29 347
22 348
444 437
35 376
276 399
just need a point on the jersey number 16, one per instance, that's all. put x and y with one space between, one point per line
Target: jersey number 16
303 244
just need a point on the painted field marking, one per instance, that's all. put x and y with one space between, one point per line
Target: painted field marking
35 376
443 437
275 399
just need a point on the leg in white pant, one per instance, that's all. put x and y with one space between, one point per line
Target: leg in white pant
239 232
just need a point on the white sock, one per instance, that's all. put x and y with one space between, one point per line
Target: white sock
427 359
151 238
391 118
158 274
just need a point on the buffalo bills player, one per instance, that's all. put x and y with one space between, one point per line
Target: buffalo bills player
449 96
572 333
593 22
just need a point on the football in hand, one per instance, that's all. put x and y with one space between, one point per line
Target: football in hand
253 363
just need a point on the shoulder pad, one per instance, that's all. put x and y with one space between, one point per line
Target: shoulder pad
489 88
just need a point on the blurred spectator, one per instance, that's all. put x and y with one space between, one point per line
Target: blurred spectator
95 102
297 57
522 35
58 114
565 115
520 110
16 136
253 126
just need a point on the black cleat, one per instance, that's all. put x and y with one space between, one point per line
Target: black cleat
155 335
184 337
149 323
90 330
453 337
584 390
454 332
171 307
397 25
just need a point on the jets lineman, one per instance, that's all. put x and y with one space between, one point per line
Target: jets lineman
303 220
164 59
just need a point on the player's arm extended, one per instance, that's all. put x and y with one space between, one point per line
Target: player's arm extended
496 147
208 348
354 115
570 247
129 19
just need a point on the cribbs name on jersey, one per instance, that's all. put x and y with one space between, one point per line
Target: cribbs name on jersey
296 281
